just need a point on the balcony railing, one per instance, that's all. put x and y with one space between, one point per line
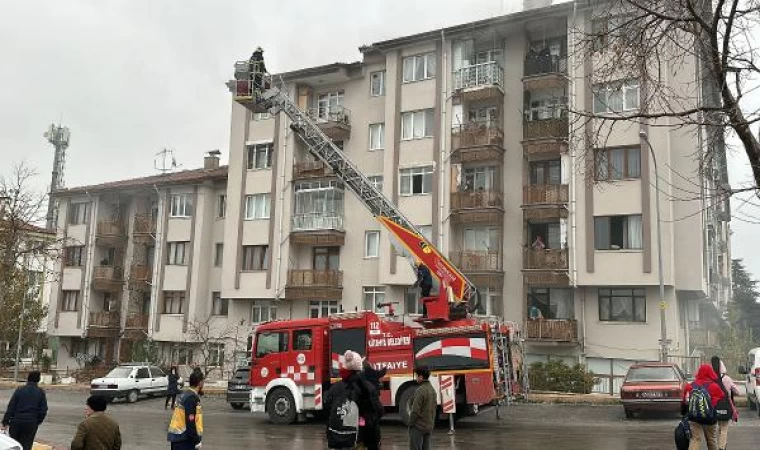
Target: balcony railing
336 113
542 194
477 260
141 273
476 199
700 337
317 221
105 319
542 65
311 169
563 330
108 274
110 228
315 278
478 75
137 321
548 259
555 128
477 133
145 224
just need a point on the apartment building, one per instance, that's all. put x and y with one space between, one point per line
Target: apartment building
467 129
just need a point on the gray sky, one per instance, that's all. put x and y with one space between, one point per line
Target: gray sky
131 77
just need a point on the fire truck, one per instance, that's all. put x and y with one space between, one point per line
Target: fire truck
294 362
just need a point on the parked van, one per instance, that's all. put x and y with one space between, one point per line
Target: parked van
751 370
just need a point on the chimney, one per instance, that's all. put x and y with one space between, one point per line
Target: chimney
533 4
211 161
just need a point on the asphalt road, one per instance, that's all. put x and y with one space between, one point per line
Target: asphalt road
527 426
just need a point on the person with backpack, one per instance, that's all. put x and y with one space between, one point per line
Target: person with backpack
726 407
354 408
699 404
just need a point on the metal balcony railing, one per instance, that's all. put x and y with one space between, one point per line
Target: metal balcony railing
478 75
105 319
317 221
108 274
563 330
137 321
336 114
543 65
554 128
145 224
141 273
548 259
477 260
315 278
308 169
477 133
542 194
476 199
110 228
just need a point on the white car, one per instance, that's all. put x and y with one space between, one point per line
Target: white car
7 443
752 372
130 381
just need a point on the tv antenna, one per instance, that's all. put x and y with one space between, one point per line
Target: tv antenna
58 136
165 161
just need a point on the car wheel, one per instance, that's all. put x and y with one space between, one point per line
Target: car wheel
281 406
132 396
237 405
628 413
405 403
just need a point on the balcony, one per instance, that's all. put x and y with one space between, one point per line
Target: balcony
313 284
480 81
552 330
546 267
477 141
317 229
140 276
104 324
144 229
107 278
482 267
477 207
136 326
703 338
545 136
110 233
541 202
334 121
304 170
544 72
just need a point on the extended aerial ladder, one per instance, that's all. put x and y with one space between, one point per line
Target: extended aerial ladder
258 92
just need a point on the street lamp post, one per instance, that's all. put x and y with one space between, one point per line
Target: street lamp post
663 325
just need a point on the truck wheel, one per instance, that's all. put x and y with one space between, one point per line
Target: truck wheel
237 405
281 406
132 396
405 403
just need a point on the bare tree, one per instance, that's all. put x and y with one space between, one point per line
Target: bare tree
695 62
210 334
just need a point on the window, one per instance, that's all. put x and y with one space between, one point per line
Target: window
261 116
622 305
182 355
412 303
221 206
616 97
73 256
142 372
326 258
70 301
417 124
547 172
419 67
554 303
219 306
416 180
372 296
546 108
174 302
318 205
550 234
216 355
482 239
78 213
377 181
302 340
371 244
426 231
255 257
377 83
618 163
176 253
260 156
263 311
479 179
618 232
322 308
218 254
377 136
181 205
271 342
329 106
611 31
155 372
256 206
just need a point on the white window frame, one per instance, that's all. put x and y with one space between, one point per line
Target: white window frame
257 206
221 206
411 67
603 93
412 303
262 116
263 311
174 297
326 101
380 91
176 253
79 213
377 136
377 181
320 306
181 206
253 151
216 355
372 295
410 173
70 297
410 129
371 251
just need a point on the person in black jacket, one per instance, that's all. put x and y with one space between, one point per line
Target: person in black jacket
371 375
173 387
425 283
26 411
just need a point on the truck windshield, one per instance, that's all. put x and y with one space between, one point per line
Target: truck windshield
271 342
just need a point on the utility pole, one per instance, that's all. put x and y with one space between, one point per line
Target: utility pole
21 325
664 342
58 136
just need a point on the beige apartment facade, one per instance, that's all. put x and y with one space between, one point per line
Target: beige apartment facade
467 129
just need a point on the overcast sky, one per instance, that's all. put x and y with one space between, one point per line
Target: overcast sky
131 77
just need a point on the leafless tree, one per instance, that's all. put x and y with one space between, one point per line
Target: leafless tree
208 333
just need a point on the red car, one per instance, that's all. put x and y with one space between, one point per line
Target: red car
652 387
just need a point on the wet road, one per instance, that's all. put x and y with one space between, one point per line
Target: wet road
143 426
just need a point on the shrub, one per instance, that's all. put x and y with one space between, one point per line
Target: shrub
555 375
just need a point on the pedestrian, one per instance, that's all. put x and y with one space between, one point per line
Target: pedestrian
425 283
186 425
371 375
26 411
97 431
422 411
354 408
538 244
699 402
534 312
258 69
727 408
173 387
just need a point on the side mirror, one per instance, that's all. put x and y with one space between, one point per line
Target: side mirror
743 370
